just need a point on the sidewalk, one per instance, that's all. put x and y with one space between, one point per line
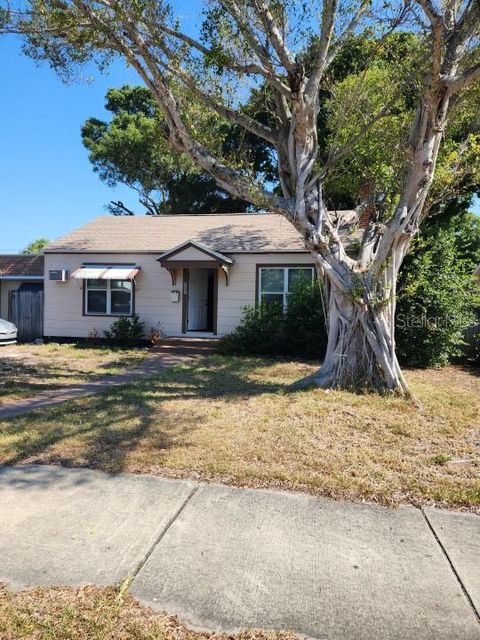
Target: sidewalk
224 558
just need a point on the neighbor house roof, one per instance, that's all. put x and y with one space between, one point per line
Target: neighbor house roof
229 233
21 266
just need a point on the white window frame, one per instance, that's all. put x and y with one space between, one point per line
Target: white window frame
285 291
108 288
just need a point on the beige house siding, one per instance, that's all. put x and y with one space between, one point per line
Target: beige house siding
241 290
5 287
64 301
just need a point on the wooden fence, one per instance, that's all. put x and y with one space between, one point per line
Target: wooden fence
25 310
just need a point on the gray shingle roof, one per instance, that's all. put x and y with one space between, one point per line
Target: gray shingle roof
230 233
20 265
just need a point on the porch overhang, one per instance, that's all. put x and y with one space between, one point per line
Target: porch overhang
190 255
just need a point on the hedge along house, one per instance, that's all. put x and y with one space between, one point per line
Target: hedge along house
184 275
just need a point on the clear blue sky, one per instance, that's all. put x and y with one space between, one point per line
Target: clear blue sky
47 186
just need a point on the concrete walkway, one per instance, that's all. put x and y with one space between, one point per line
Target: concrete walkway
224 558
154 363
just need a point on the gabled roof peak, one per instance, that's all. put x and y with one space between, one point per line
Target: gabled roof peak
211 253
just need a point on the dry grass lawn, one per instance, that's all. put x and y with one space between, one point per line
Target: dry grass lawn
26 370
236 421
92 613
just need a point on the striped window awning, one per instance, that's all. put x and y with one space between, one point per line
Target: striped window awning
105 272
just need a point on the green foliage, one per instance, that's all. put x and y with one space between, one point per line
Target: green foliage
304 322
476 349
265 330
260 332
441 458
458 169
133 149
436 298
36 246
375 160
466 231
370 73
126 332
370 76
381 66
476 346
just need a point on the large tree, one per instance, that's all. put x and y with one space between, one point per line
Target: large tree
244 43
130 149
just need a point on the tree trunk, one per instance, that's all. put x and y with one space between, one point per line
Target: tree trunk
360 352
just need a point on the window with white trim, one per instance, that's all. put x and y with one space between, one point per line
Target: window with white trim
108 297
275 283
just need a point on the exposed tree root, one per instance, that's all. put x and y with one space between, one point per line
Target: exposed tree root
327 381
361 350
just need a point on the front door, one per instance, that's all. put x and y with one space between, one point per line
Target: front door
200 302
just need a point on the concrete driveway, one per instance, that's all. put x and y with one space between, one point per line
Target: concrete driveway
224 558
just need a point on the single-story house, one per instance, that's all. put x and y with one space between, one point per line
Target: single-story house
19 273
182 274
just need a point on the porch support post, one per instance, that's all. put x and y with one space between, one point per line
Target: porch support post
173 274
225 270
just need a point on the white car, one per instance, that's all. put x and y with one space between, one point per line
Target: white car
8 332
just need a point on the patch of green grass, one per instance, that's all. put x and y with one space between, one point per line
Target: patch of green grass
235 420
441 458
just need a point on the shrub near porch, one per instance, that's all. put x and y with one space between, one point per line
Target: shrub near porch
234 420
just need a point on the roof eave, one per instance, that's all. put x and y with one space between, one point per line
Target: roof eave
162 251
21 277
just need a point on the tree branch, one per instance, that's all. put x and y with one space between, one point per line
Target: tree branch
321 59
432 14
179 135
246 68
255 127
457 83
328 52
345 149
260 51
274 34
437 29
116 207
